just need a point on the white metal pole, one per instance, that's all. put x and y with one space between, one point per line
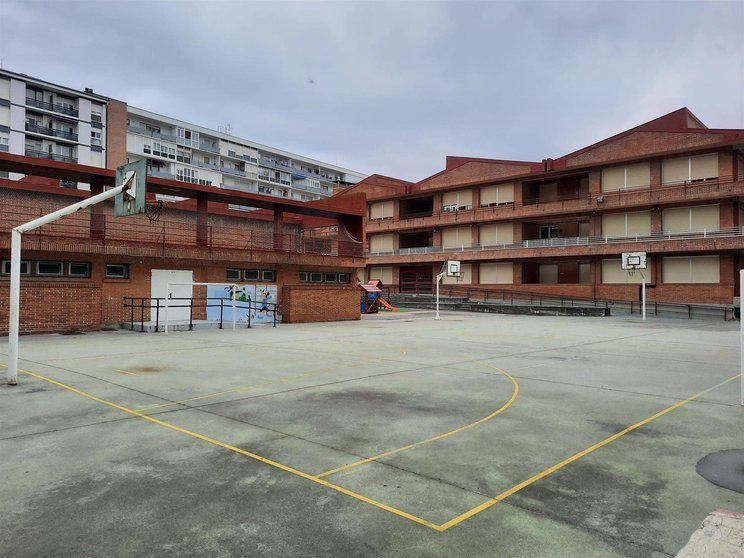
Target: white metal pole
439 278
15 269
234 296
741 334
15 304
643 296
167 295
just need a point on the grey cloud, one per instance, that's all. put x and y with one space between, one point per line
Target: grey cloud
394 87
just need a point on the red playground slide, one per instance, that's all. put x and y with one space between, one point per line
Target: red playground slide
387 305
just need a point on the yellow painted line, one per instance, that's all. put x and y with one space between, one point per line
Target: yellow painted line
498 411
513 490
237 389
235 449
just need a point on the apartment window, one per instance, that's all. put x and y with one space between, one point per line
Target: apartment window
268 275
50 269
455 201
316 277
233 275
78 269
117 271
146 148
381 210
152 129
628 177
693 269
95 138
183 156
344 277
187 175
690 169
548 231
96 116
25 267
330 278
251 274
691 219
637 223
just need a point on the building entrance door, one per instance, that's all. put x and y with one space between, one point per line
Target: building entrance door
416 280
158 283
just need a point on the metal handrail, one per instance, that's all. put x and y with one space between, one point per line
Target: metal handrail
726 232
144 303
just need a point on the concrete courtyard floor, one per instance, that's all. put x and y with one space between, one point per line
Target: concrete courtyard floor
398 435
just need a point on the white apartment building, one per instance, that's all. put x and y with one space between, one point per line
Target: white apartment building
49 121
190 153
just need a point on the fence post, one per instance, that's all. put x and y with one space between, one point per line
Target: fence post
222 305
191 314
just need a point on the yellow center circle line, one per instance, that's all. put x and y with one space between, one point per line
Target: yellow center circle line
498 411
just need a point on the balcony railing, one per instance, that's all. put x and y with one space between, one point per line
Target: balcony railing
151 133
53 156
645 195
170 235
56 132
53 107
728 232
204 146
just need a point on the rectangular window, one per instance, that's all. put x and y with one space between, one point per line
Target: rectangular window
693 269
95 138
344 277
496 273
690 219
316 277
78 269
303 277
50 269
625 178
117 271
233 275
25 267
497 195
690 169
268 275
331 278
250 275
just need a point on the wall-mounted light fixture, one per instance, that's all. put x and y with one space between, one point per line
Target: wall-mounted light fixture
600 199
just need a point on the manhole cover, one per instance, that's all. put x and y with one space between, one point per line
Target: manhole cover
724 468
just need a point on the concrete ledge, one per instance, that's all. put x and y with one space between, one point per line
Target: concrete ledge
721 535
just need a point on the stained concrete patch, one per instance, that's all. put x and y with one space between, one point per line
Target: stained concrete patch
724 468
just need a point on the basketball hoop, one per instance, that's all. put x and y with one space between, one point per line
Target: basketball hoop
631 272
153 211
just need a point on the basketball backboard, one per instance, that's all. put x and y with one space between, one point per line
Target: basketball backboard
452 268
132 200
633 260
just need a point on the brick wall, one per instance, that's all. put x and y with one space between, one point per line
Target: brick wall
319 303
54 306
116 134
643 143
473 172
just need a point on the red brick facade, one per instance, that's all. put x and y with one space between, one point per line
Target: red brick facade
310 303
558 212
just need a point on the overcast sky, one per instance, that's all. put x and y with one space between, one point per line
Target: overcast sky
392 88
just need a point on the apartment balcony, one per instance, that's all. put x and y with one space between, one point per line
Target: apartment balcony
52 107
229 170
52 156
730 238
151 133
160 174
54 132
204 146
205 165
639 198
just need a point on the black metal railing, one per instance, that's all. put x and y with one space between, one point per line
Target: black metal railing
49 131
141 305
47 155
54 107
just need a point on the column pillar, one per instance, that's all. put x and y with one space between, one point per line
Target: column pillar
202 219
97 215
278 228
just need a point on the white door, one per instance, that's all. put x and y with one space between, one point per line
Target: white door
158 285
